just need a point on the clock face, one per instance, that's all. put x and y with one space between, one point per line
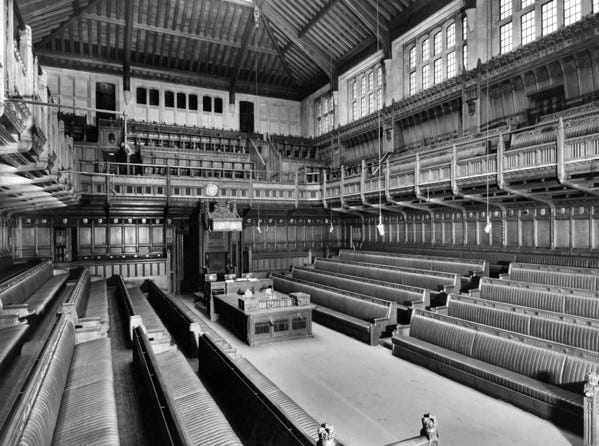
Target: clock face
211 190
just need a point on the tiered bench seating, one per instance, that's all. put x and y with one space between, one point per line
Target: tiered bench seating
185 412
189 414
575 335
9 269
180 319
571 277
575 302
29 293
435 281
464 267
540 376
405 296
520 309
97 304
362 317
68 397
137 306
12 339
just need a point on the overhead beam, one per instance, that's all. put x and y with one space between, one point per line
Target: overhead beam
175 33
382 34
128 38
176 76
279 50
316 18
313 53
77 15
244 44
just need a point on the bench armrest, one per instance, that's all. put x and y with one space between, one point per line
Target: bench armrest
441 310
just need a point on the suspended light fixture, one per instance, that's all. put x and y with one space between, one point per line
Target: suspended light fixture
257 24
488 226
380 227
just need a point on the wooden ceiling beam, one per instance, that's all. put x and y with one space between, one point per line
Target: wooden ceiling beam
244 44
280 51
175 33
106 65
127 42
92 4
314 54
316 18
382 33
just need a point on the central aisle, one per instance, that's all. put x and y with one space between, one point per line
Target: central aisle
373 398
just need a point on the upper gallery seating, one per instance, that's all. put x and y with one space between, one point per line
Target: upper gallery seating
294 146
362 317
584 278
543 377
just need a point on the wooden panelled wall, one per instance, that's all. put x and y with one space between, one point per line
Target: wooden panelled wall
93 237
290 232
574 227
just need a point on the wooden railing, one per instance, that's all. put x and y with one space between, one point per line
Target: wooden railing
399 174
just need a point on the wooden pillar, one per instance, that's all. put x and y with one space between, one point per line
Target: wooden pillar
591 410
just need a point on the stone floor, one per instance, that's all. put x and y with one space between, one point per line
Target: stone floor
374 398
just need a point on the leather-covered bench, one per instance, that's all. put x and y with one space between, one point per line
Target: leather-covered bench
359 316
540 379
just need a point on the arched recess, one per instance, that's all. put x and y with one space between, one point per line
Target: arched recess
542 78
594 52
507 94
571 86
585 73
556 76
520 100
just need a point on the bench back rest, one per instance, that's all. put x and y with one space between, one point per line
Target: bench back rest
585 278
397 294
425 279
528 360
80 294
512 308
566 333
33 418
520 323
352 306
582 306
534 297
451 265
17 289
449 336
542 361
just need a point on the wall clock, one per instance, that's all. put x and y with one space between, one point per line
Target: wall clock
211 190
